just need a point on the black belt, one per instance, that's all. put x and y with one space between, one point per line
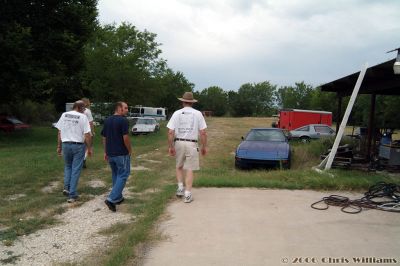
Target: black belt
72 142
191 140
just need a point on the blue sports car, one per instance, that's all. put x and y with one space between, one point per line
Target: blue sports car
265 147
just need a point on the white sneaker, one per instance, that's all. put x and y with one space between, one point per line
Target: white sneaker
180 192
71 200
188 199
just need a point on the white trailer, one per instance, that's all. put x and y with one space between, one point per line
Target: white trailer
68 107
159 113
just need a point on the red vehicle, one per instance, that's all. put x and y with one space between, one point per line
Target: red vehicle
290 119
10 124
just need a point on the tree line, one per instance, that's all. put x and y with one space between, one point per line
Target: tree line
53 52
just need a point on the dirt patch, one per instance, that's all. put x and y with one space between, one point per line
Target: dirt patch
15 197
152 161
140 168
96 183
50 188
147 192
107 169
71 241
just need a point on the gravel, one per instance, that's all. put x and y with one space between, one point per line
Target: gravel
71 241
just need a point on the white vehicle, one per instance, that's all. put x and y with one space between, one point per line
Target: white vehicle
158 113
312 131
145 125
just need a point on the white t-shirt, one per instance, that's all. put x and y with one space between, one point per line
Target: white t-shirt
88 113
73 125
186 123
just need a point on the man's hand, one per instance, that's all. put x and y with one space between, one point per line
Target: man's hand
90 151
59 151
171 151
204 151
105 157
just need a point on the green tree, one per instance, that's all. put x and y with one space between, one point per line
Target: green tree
391 110
214 99
123 63
322 100
253 100
387 111
294 97
171 85
41 45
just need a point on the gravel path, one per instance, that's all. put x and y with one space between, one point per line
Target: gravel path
71 241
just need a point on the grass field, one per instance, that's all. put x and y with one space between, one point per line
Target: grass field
218 168
31 176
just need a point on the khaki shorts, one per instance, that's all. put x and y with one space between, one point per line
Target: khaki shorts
187 155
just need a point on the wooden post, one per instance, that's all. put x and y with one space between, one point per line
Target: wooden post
339 111
343 124
371 126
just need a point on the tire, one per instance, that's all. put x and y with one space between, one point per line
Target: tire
305 139
289 164
239 167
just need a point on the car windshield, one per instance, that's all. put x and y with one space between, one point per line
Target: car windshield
265 135
306 128
14 120
145 122
134 120
323 129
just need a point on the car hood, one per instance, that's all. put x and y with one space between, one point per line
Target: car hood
263 150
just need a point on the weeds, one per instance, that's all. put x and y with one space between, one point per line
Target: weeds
10 260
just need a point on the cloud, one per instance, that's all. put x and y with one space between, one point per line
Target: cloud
231 42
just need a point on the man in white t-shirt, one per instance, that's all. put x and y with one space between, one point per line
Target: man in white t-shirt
185 126
89 116
73 133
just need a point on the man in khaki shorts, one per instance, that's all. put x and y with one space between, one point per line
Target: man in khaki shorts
185 126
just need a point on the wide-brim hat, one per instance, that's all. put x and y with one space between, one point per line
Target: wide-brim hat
188 97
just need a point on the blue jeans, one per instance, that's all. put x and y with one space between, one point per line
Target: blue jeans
120 168
73 160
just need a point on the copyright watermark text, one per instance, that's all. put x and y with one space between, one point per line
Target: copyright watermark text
339 260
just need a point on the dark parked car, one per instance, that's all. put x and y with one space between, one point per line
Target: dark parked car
10 124
263 147
312 131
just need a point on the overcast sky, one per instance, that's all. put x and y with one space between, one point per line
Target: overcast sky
227 43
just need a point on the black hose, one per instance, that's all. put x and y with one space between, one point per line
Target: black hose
387 193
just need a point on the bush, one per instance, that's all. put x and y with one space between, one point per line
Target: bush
322 145
31 112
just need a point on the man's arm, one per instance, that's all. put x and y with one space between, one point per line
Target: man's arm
92 128
171 137
203 139
104 147
127 143
59 147
88 142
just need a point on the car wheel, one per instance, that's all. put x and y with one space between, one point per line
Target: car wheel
237 166
288 164
305 139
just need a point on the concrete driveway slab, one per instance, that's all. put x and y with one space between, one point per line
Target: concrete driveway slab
273 227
